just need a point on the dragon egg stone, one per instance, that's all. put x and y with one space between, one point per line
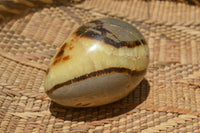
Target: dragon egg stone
101 62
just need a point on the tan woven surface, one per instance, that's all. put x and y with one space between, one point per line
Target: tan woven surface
167 100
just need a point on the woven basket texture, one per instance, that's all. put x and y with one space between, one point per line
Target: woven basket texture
167 100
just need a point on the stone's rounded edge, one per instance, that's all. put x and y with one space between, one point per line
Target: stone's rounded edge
96 88
123 24
95 30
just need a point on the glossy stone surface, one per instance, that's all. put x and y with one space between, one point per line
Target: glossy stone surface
101 62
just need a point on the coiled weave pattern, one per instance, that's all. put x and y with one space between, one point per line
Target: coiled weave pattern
167 100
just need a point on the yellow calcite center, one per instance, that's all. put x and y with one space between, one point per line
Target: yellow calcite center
84 55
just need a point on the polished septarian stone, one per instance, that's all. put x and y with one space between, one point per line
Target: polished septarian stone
101 62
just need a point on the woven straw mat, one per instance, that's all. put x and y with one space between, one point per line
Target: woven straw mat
167 100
